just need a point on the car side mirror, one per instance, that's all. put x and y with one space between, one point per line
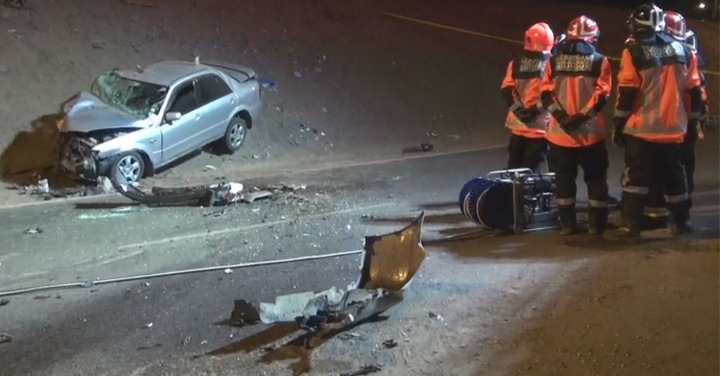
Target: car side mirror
172 116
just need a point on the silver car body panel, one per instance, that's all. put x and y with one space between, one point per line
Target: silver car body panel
88 113
160 141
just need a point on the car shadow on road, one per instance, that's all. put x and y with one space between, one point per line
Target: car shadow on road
33 155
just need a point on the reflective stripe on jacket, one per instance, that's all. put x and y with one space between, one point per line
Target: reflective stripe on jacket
524 76
658 72
578 80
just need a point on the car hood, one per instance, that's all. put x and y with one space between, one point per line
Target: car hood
86 112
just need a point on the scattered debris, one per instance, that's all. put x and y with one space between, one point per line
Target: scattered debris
389 344
298 74
351 335
268 84
389 264
98 44
34 230
42 297
366 370
422 148
432 134
15 4
253 196
244 313
4 302
105 185
186 340
147 326
5 338
436 316
155 346
228 271
454 136
210 168
141 3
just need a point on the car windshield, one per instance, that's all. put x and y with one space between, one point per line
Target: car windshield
141 99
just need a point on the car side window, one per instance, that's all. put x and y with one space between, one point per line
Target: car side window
185 99
212 88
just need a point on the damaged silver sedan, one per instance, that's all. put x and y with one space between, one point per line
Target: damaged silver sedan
132 123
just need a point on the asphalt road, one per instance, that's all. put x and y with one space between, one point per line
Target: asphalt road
105 330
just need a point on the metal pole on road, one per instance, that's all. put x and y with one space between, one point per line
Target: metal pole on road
88 284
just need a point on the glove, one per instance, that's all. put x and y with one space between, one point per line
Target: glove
519 112
692 131
573 122
618 137
528 114
561 116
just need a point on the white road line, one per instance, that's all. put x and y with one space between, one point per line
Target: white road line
284 173
705 209
250 227
706 193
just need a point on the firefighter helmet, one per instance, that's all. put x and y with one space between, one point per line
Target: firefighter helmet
647 18
539 37
676 27
583 28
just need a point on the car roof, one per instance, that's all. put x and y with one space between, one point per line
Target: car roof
164 73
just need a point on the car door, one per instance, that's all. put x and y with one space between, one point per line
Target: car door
217 102
177 136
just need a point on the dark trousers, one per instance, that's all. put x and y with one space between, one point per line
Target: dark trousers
525 152
655 206
593 160
654 179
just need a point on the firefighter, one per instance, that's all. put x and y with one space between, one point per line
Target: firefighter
576 87
521 91
656 213
651 120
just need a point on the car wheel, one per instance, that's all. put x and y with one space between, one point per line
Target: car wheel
129 168
234 135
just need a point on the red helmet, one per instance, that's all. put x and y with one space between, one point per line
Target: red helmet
675 26
583 28
539 37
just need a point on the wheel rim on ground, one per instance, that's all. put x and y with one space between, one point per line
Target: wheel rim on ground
129 169
237 135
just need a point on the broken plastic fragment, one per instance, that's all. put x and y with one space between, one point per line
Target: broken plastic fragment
391 261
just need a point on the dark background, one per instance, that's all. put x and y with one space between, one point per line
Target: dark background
688 8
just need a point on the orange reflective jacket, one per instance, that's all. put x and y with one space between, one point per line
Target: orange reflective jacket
521 88
578 80
655 74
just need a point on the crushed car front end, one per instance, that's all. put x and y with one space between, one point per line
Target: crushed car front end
100 125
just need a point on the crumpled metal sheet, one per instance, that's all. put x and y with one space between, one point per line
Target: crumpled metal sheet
221 194
287 308
391 261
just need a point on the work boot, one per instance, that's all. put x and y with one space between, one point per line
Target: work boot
681 217
632 213
568 220
597 220
655 222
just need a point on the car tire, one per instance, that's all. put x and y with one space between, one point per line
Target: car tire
128 164
235 136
